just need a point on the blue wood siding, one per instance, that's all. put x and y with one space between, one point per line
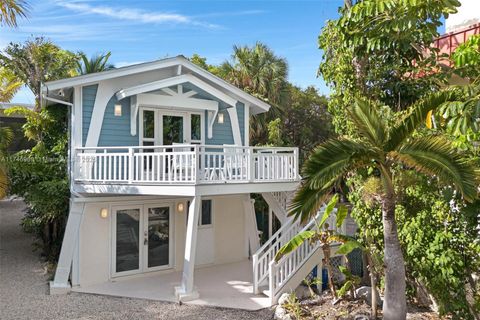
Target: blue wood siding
241 120
88 100
116 130
222 132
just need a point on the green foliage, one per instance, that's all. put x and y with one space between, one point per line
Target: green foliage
437 231
9 85
304 121
252 69
467 58
274 133
42 182
382 148
294 243
39 176
11 10
37 61
351 281
96 63
376 49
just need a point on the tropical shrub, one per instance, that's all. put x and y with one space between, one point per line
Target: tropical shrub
437 232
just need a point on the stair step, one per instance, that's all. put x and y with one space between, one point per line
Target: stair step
266 292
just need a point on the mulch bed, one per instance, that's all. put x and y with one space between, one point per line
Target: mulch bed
321 307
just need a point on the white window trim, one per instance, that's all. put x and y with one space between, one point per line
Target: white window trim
158 136
200 225
143 263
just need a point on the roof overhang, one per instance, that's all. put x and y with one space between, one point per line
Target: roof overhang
184 68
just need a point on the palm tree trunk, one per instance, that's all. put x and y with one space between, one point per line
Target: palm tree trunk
395 305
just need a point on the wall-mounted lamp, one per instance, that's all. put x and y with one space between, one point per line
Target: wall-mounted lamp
117 110
220 118
180 207
104 213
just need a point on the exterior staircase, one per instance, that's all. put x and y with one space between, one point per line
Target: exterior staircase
274 278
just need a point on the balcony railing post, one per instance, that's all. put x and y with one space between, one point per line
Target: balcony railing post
131 162
295 163
196 164
251 164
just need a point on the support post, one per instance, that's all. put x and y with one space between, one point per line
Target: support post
186 290
60 284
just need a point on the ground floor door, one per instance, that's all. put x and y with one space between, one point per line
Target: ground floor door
142 238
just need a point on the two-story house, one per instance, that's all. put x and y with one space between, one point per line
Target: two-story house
161 174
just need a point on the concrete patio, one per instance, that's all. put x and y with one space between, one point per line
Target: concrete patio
227 286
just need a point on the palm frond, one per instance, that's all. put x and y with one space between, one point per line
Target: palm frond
328 162
418 112
435 155
367 121
294 243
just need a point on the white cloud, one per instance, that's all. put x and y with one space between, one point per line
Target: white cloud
135 15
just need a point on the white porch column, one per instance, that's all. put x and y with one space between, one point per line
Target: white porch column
60 284
186 290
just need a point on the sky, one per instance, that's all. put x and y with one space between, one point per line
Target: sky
139 31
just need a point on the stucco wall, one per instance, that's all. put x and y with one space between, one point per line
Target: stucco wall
95 244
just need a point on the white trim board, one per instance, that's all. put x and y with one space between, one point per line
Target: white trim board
168 82
183 65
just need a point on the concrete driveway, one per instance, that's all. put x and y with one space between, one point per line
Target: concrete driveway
23 287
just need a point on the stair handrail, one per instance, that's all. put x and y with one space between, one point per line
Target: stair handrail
280 272
262 257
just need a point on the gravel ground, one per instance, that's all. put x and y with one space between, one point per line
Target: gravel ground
24 290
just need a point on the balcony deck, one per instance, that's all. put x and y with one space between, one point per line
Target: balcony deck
185 169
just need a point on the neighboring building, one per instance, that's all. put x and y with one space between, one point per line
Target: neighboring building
15 122
459 27
161 175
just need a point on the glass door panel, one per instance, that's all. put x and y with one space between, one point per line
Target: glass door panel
127 240
158 228
173 130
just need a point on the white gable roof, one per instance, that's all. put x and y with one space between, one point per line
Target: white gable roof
184 66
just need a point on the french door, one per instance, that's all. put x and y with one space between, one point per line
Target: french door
142 238
166 127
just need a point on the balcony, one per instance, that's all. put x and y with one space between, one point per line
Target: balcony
184 166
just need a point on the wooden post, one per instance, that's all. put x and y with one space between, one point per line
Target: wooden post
131 161
60 284
185 291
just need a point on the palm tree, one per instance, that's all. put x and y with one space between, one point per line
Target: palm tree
383 148
258 71
324 234
96 63
10 10
9 85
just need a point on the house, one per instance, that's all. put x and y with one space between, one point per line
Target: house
161 174
459 27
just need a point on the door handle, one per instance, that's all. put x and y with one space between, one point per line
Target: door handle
145 241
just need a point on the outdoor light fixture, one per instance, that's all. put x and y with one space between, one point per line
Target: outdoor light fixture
180 207
118 110
104 213
220 118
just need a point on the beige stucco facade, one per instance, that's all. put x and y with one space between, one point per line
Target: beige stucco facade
94 255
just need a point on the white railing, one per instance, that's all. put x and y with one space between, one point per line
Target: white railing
280 272
190 164
283 198
266 253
